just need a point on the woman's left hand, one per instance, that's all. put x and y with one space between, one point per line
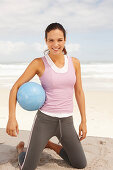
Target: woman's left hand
83 129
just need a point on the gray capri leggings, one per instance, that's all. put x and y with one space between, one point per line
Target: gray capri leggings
45 127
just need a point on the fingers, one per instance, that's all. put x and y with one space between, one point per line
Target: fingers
83 136
12 128
14 133
17 130
79 132
83 130
11 132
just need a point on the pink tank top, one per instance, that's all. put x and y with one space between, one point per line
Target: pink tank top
58 84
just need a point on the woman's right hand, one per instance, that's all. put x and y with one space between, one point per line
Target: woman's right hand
12 127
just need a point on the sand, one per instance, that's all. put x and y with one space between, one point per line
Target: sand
98 151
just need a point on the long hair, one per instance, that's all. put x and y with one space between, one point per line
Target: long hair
54 26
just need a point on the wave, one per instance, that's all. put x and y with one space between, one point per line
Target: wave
90 73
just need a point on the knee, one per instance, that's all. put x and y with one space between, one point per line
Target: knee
80 164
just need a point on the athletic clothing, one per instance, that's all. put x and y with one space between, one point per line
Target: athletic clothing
54 118
45 127
58 84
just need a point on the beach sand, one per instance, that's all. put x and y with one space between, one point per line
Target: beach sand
98 145
98 151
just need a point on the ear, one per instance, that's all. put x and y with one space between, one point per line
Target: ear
65 40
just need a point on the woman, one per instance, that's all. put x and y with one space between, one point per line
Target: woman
60 75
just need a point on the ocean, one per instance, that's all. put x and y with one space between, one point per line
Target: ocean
95 76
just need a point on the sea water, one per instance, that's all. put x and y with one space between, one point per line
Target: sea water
95 76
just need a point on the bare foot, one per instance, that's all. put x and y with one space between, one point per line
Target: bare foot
20 147
48 144
54 147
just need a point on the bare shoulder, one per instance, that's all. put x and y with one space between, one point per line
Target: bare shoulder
32 69
76 63
38 62
40 66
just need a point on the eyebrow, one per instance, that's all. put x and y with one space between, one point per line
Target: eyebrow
52 39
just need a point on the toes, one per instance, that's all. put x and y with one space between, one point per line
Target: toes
20 145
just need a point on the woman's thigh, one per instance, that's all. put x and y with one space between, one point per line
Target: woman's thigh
71 143
42 131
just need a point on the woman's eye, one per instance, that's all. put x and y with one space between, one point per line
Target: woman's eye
52 40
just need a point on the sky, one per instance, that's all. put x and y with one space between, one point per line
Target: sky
88 24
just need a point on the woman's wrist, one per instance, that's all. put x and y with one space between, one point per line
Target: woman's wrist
12 117
83 121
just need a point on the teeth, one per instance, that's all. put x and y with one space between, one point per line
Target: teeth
55 49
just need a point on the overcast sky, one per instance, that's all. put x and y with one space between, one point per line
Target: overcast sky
88 23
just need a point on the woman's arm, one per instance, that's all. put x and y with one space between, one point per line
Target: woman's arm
29 73
79 94
80 98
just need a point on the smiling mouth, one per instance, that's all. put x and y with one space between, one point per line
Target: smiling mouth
55 49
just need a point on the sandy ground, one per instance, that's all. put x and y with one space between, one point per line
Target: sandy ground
98 145
98 151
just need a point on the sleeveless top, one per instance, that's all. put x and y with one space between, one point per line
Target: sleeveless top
58 84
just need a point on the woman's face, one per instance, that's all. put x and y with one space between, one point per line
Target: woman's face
55 41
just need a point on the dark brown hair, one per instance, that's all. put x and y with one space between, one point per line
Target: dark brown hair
54 26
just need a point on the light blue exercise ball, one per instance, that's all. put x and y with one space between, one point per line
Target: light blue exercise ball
31 96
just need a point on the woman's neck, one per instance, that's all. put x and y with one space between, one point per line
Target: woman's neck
55 58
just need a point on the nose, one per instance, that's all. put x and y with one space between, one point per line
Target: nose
56 44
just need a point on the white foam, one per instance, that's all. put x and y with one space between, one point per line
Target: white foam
93 75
